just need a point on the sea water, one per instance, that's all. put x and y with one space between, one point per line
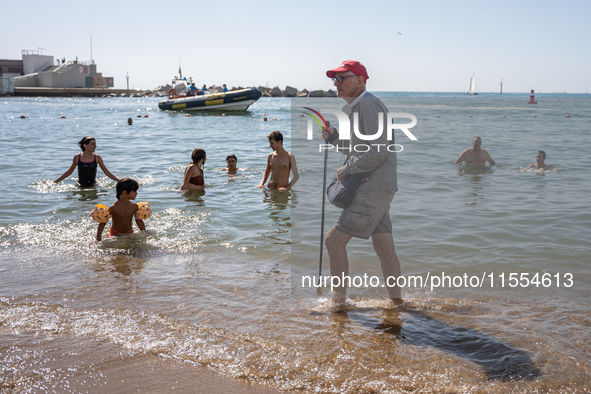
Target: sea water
218 283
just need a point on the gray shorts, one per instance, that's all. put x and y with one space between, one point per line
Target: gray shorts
368 214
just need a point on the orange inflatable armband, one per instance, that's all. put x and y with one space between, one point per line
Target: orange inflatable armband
100 213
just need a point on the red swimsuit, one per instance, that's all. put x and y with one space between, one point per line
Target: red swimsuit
197 180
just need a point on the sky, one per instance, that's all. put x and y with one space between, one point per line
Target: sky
540 45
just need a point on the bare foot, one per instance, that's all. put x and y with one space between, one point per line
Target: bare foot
395 302
332 306
318 311
338 304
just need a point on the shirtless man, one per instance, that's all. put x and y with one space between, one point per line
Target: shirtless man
539 164
279 164
475 156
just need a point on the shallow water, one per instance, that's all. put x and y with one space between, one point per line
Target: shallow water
218 285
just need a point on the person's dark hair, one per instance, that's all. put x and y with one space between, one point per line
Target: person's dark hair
276 136
541 152
85 141
477 137
232 156
198 154
126 185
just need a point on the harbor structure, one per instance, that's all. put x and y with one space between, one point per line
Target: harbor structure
41 70
36 69
10 68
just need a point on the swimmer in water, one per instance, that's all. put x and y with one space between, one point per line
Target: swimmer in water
193 179
539 164
475 156
123 210
232 161
279 164
86 162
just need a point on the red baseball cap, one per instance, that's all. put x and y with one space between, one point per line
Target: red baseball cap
349 65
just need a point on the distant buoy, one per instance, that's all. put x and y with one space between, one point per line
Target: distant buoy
504 116
187 115
535 116
567 115
63 116
436 116
223 114
264 114
23 116
139 116
301 115
470 115
146 115
532 98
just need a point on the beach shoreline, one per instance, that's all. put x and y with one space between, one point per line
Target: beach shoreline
82 364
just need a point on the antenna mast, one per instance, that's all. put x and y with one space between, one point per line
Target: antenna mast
91 60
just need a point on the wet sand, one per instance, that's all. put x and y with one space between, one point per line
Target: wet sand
40 363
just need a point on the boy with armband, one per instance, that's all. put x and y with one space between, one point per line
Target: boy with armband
122 211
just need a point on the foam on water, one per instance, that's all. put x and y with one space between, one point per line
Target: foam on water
430 346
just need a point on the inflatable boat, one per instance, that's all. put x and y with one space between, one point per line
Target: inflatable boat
238 100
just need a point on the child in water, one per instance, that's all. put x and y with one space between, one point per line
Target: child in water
193 179
87 162
123 210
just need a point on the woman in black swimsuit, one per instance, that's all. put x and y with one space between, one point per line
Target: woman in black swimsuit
87 162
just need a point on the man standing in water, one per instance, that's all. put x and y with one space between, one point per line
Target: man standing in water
279 163
368 214
475 156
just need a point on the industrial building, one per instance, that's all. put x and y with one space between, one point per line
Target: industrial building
36 69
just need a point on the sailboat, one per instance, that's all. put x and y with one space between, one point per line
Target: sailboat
472 87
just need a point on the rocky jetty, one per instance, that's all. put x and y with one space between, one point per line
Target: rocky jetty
293 92
289 91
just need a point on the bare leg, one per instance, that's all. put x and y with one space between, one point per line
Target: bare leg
336 245
383 243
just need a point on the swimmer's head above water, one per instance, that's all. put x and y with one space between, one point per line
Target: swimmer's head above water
126 185
275 139
232 161
540 164
198 155
476 143
85 141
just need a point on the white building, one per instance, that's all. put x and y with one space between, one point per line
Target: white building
41 70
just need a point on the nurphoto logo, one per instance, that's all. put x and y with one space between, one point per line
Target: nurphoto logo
345 129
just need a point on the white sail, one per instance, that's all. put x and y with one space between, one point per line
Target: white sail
472 85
